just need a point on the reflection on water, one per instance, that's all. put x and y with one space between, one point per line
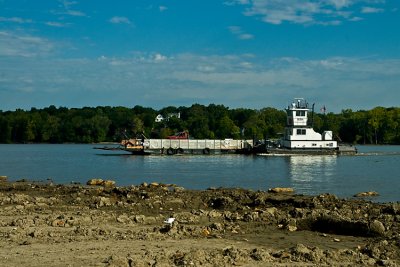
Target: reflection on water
307 171
309 168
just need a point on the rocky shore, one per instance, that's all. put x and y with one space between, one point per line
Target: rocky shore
44 224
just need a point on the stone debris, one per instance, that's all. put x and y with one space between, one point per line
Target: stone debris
281 190
367 194
101 182
155 224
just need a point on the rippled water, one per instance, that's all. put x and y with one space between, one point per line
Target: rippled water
375 168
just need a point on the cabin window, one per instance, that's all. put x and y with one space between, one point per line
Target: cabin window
301 132
301 113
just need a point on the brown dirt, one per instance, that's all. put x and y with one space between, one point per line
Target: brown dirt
42 224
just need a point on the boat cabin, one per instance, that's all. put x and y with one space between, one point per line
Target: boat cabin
299 132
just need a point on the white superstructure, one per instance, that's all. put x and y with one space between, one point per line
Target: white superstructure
299 132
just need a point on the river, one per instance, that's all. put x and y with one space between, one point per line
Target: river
375 168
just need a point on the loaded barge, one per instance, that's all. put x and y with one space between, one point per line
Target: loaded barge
299 139
181 144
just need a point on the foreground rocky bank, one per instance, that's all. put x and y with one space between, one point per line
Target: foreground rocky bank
42 224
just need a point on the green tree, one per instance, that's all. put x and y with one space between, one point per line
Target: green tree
197 122
375 121
255 127
227 129
51 129
5 129
99 125
274 122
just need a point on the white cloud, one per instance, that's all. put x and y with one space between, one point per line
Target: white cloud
246 36
324 12
239 33
367 10
15 20
159 58
23 45
56 24
235 2
75 13
158 80
341 3
206 68
120 20
66 9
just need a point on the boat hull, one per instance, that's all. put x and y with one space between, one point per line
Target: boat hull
297 151
340 150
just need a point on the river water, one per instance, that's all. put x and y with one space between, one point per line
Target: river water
375 168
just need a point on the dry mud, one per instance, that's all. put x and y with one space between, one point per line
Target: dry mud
43 224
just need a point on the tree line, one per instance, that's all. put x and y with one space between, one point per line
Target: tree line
112 124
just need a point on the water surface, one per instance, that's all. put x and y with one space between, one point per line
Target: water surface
375 168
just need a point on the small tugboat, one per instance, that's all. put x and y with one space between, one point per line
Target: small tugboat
300 137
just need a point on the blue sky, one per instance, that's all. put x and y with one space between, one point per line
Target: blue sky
239 53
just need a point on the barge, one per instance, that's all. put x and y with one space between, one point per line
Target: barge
186 146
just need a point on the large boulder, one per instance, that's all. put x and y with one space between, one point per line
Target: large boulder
281 190
367 194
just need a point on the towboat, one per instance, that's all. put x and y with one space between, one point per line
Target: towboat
300 138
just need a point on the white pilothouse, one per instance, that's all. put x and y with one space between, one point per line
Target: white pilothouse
299 133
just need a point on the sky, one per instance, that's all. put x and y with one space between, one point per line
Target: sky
341 54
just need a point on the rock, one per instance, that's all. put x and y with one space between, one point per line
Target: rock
123 219
392 208
377 228
175 203
251 216
20 199
104 201
281 190
179 189
260 255
205 232
367 194
214 214
291 225
101 182
58 223
95 182
386 263
301 249
114 261
221 202
217 226
3 178
142 219
272 211
303 253
108 183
